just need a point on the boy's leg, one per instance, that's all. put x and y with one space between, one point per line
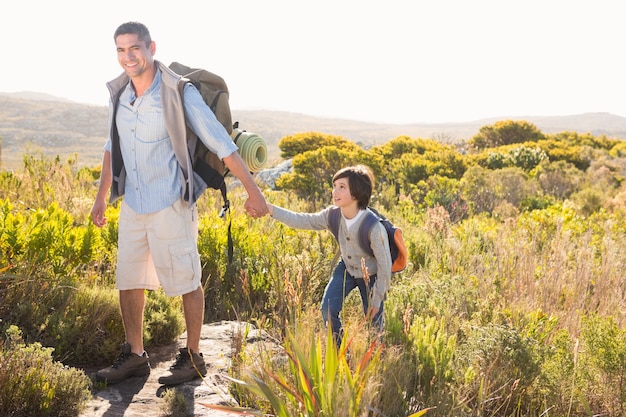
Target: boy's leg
337 289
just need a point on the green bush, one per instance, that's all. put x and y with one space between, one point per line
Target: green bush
50 241
82 323
163 319
556 384
174 404
434 353
603 365
35 385
499 367
314 378
268 256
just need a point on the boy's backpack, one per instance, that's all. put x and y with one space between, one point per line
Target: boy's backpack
205 163
399 254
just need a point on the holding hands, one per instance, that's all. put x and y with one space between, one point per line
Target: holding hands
256 205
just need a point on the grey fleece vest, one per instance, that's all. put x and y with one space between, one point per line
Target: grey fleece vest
174 115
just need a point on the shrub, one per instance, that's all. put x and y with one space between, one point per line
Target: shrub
505 133
163 318
603 365
434 352
522 157
82 323
174 404
556 385
499 366
35 385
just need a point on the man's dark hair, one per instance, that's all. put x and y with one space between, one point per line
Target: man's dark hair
361 182
134 28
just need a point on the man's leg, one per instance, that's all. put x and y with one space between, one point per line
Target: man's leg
189 362
177 262
132 361
193 307
132 303
134 270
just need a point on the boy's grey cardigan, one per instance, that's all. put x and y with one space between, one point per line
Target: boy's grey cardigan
351 252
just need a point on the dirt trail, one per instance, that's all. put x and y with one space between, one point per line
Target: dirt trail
141 396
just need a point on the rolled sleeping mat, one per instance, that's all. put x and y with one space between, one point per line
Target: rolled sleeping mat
252 149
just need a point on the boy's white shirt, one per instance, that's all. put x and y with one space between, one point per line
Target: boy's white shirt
350 222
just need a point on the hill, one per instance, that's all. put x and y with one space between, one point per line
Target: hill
35 122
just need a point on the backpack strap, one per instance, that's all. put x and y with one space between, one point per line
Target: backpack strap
182 149
364 231
213 104
333 221
179 148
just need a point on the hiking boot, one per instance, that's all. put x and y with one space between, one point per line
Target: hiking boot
126 365
185 368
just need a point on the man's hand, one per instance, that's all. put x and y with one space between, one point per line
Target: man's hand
100 203
97 213
255 205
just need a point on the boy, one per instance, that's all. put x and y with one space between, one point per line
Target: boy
352 190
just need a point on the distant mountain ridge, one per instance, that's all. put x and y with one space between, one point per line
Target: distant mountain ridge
35 122
32 95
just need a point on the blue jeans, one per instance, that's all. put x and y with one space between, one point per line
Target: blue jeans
340 285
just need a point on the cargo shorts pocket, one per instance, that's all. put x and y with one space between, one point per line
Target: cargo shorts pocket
185 261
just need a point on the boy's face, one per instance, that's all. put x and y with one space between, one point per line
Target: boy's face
341 193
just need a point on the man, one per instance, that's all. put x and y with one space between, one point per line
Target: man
158 225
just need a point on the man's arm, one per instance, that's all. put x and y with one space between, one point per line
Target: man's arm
255 204
100 204
205 125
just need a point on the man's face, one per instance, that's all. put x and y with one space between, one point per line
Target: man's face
133 54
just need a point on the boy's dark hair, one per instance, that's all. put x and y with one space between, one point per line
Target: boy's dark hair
361 182
135 28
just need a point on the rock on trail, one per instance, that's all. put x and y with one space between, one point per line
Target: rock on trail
141 396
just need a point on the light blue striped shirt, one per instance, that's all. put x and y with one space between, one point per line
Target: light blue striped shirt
152 172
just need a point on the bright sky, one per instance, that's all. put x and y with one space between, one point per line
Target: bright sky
387 61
